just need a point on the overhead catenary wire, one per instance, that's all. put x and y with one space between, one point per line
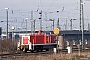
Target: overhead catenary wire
41 5
51 5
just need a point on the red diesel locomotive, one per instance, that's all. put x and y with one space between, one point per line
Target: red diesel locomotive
37 42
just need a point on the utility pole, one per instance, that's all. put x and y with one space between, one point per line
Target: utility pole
80 13
70 24
46 16
53 22
31 22
66 24
88 26
7 21
82 24
34 26
82 20
13 33
26 24
58 23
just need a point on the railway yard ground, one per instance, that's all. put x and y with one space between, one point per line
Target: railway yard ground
46 56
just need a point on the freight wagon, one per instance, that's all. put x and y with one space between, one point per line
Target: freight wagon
37 42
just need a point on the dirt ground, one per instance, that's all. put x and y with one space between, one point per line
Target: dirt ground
58 56
6 46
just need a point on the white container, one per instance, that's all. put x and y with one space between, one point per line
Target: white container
69 49
54 50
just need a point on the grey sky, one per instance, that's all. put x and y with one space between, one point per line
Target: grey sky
33 4
71 10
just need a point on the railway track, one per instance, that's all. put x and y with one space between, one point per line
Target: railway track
21 54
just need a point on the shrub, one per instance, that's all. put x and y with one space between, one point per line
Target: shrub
8 45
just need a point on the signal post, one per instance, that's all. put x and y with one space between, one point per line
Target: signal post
56 32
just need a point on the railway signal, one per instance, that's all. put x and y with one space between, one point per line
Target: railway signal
56 31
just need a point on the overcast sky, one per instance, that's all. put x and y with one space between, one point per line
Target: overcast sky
70 6
33 4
